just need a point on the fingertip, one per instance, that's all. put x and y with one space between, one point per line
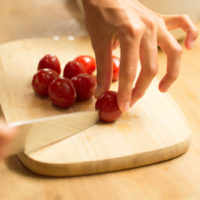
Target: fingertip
124 106
191 38
163 88
189 44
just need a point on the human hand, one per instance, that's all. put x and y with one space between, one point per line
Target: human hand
138 31
6 134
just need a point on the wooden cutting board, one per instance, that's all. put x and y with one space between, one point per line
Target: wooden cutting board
152 131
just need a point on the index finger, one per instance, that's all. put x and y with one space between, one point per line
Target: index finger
103 55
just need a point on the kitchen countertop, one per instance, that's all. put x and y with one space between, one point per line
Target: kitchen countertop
175 179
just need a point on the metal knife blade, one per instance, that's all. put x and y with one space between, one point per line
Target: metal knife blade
35 134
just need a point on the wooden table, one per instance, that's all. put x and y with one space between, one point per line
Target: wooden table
175 179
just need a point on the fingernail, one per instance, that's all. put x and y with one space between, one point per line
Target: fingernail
191 44
125 107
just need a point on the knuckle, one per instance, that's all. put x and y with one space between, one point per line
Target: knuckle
161 22
132 31
184 17
137 31
151 25
177 50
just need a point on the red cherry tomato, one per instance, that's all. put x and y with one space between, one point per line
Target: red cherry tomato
88 62
51 62
73 68
116 64
85 85
42 79
107 106
62 92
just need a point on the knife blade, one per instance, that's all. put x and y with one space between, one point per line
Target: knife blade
35 134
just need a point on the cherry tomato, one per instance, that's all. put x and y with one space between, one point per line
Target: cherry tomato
73 68
116 64
85 85
51 62
107 106
62 92
42 79
88 62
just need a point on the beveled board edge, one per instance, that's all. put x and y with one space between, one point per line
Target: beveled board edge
102 166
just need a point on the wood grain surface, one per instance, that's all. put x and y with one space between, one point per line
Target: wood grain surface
27 105
177 179
152 131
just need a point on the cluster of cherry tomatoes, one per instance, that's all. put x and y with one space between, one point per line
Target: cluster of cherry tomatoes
77 84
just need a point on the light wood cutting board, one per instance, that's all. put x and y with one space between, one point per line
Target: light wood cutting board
154 130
